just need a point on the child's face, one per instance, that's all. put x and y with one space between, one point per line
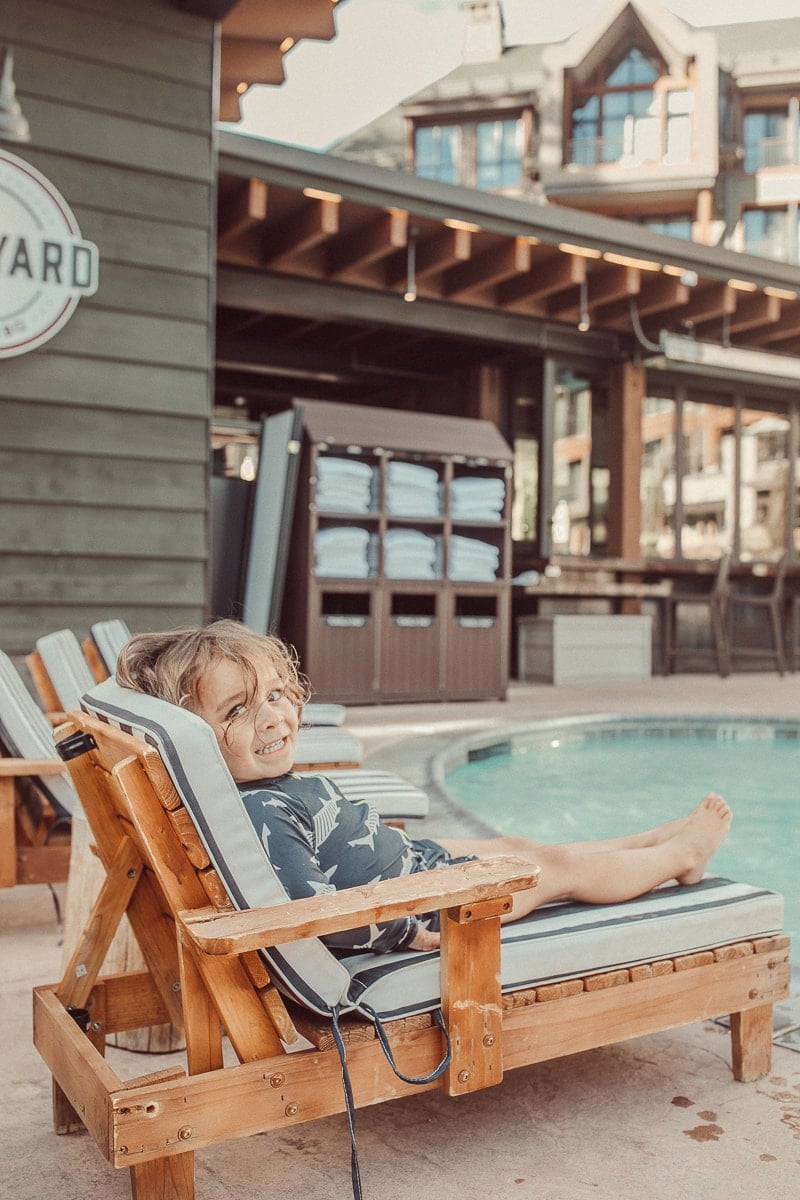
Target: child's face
257 736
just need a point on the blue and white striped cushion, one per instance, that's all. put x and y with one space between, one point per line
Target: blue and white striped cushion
25 732
391 796
557 942
66 665
327 744
109 637
565 941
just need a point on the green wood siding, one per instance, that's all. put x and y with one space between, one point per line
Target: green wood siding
104 430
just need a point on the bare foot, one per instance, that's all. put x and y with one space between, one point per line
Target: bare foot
702 834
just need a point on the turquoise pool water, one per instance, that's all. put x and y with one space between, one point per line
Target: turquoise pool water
598 779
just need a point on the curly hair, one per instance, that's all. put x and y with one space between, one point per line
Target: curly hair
171 664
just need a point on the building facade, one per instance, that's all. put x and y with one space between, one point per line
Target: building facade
689 131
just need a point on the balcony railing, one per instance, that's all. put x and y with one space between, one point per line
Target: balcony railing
780 151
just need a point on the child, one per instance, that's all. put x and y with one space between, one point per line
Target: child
248 688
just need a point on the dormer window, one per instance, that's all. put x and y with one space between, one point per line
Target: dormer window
630 114
484 153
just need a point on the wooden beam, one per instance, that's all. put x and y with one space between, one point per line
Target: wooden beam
494 266
658 294
434 255
246 61
374 240
313 224
554 275
708 302
245 210
280 19
613 284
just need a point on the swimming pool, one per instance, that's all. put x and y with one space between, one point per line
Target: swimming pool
566 780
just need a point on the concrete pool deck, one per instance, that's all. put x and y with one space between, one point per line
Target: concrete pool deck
660 1115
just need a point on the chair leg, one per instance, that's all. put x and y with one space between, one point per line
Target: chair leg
751 1043
168 1178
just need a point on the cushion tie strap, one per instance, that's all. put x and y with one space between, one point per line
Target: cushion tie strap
437 1072
350 1108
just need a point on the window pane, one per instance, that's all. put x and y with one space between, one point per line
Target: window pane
526 485
765 141
527 420
764 474
634 68
657 490
437 152
499 160
674 226
679 140
766 232
579 496
585 132
707 486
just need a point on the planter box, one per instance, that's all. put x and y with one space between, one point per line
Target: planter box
584 648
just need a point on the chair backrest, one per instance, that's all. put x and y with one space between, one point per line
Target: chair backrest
25 732
66 666
305 969
109 637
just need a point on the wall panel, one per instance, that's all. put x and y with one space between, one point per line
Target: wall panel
104 453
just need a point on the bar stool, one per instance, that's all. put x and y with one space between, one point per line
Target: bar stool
770 601
715 599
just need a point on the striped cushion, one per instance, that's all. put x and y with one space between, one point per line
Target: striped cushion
25 732
316 713
556 942
564 941
109 637
393 797
66 665
327 744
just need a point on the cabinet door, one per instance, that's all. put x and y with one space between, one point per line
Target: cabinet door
476 646
411 643
341 659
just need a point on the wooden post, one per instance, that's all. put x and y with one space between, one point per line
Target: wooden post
471 1000
751 1043
625 405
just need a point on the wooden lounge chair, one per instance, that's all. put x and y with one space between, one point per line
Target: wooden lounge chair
226 951
36 795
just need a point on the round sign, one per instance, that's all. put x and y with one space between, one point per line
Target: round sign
45 264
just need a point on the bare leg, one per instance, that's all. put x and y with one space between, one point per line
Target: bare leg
620 869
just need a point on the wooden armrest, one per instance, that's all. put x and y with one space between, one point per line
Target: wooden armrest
446 887
13 767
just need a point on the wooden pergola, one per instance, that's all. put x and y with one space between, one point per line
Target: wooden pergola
310 245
